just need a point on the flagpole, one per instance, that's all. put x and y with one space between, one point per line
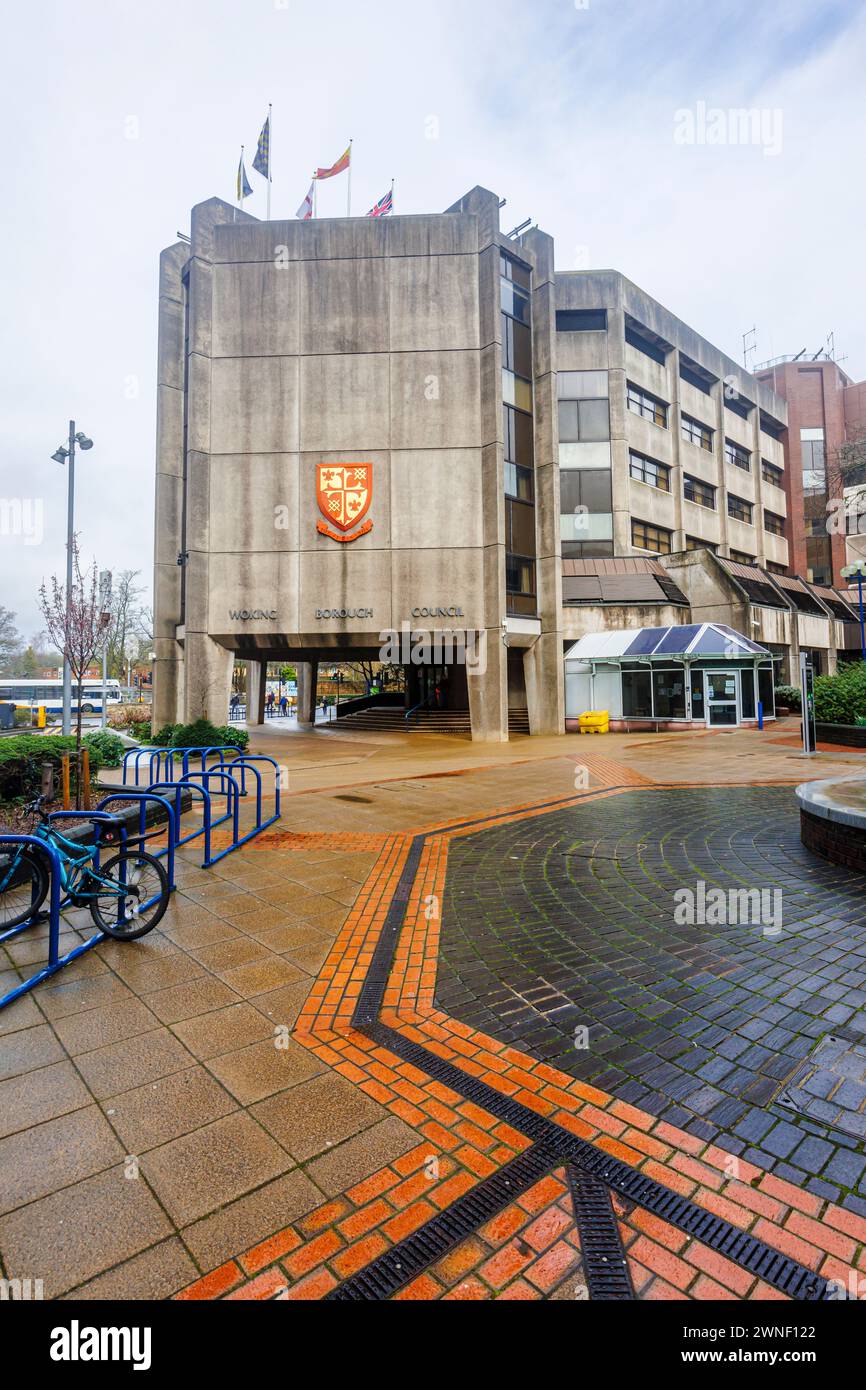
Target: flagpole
393 181
270 157
315 195
349 201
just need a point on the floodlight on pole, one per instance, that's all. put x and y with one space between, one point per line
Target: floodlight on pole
66 452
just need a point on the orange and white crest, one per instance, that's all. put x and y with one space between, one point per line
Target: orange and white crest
344 492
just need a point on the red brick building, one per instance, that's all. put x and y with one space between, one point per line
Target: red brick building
826 410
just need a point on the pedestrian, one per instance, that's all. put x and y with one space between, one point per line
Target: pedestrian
284 706
270 702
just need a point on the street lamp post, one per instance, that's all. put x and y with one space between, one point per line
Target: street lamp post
66 454
857 571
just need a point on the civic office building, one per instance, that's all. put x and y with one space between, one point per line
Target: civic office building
416 425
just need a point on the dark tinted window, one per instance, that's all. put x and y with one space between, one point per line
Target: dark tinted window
581 320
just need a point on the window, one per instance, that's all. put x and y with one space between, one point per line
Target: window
776 569
747 693
514 301
518 482
584 421
516 347
669 694
771 474
585 488
813 460
645 536
773 523
516 391
587 550
517 432
696 433
519 574
741 558
645 404
581 386
581 320
736 455
645 341
695 543
647 470
739 508
637 698
702 494
696 376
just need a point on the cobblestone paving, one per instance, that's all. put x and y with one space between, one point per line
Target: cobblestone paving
567 921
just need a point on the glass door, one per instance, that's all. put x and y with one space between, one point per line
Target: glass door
723 698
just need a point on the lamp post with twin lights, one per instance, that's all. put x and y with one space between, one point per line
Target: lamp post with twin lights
66 454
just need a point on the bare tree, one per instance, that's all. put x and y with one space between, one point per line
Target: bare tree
126 614
79 633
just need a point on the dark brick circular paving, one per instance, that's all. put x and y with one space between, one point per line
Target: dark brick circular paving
567 921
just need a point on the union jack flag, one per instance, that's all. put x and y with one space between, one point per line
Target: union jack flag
384 206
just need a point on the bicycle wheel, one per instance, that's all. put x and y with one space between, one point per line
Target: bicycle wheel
140 885
23 887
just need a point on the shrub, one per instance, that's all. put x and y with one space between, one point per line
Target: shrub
22 757
789 695
129 717
203 734
108 746
164 737
841 699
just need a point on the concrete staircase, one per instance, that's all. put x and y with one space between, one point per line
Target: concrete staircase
384 719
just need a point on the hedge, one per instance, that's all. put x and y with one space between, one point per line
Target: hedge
841 699
22 757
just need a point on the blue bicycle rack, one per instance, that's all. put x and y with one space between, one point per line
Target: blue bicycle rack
171 819
161 761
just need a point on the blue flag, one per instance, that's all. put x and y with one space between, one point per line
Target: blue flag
262 161
244 185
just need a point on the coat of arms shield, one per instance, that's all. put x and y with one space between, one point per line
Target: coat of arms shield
344 492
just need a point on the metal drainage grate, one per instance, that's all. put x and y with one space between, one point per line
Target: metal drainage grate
607 1273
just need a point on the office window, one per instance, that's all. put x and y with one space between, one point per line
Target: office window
517 431
514 270
519 482
581 320
669 694
701 493
776 569
581 386
696 433
646 342
516 391
516 347
519 574
637 696
739 508
584 421
645 536
771 474
813 458
773 523
588 488
643 403
695 543
587 550
514 301
741 558
736 455
647 470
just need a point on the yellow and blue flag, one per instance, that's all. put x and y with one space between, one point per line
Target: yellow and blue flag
244 186
262 161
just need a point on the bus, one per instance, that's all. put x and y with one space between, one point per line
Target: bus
30 693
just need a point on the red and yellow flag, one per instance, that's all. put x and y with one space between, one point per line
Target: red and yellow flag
340 167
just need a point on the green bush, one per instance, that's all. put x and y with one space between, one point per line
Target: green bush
22 757
203 734
109 747
841 699
164 737
790 696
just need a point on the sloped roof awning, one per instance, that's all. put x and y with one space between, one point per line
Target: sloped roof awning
698 641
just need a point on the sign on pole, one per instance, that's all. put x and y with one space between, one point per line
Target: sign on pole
807 689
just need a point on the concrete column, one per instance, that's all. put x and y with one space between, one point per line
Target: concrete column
208 683
257 681
488 692
544 673
308 675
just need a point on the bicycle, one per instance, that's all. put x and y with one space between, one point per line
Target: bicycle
127 896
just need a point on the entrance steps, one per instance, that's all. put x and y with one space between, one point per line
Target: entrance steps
384 719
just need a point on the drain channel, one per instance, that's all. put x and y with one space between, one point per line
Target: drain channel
604 1261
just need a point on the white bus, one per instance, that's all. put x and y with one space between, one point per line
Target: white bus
29 693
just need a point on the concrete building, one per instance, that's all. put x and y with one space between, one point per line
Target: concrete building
368 426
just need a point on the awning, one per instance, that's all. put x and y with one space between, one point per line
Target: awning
699 641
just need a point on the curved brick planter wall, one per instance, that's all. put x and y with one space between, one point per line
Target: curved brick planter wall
833 820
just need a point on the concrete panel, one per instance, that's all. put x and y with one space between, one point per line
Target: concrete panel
255 310
355 238
438 579
345 579
435 400
208 681
200 306
255 405
379 538
344 306
254 502
198 414
431 236
198 502
245 584
434 303
436 498
742 537
169 507
169 430
169 360
345 403
257 241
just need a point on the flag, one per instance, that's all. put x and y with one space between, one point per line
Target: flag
262 161
244 185
305 211
340 167
385 205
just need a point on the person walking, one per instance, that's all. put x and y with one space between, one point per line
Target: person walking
270 702
284 706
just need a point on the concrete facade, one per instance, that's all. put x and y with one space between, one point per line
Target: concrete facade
443 357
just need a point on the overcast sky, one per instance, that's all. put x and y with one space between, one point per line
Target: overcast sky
126 114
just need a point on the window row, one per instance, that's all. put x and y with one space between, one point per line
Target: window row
695 432
645 404
737 456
